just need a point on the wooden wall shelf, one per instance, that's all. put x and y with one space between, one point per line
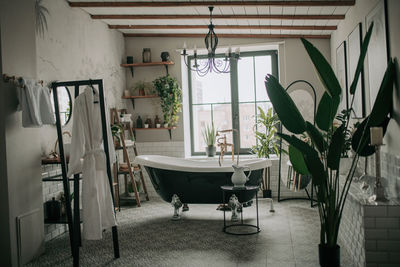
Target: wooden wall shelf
165 63
47 161
150 64
133 97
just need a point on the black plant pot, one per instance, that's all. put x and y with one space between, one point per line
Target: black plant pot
328 256
210 151
267 193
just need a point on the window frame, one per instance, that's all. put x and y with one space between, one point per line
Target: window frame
234 95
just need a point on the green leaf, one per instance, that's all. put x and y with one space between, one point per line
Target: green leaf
305 148
317 170
311 158
360 64
365 149
284 106
383 107
297 160
335 149
384 100
326 111
325 72
316 137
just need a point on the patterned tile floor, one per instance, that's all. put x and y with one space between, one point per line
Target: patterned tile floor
148 237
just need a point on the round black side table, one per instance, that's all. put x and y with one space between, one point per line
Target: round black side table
240 192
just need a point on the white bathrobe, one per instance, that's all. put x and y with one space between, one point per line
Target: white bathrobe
87 156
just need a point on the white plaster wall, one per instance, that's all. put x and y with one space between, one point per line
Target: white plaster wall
22 144
85 49
355 15
74 47
293 64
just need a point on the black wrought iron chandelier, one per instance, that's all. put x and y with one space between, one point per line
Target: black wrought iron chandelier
211 63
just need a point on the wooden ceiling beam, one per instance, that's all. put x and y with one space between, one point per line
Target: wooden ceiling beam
212 3
241 27
153 17
195 35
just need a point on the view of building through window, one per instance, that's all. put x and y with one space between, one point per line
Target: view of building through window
211 99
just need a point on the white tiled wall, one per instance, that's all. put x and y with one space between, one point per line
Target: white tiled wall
371 234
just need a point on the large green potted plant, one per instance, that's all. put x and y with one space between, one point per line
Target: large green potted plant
168 90
321 159
209 137
267 143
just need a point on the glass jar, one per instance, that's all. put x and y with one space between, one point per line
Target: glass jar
146 55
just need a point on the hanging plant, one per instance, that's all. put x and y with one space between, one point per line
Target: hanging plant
169 91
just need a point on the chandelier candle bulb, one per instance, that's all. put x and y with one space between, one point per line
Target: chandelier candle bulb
237 51
376 136
184 45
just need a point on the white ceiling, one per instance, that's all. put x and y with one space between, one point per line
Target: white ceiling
153 28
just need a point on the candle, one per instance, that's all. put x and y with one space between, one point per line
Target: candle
237 51
184 45
376 136
195 49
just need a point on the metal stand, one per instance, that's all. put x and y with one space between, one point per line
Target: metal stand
309 196
240 191
74 221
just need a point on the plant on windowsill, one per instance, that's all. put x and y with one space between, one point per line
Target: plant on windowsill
267 143
167 88
209 137
321 159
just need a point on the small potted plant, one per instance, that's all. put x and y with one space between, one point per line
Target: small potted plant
267 143
139 88
209 136
116 130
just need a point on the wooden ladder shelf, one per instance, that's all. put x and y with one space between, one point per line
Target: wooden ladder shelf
123 145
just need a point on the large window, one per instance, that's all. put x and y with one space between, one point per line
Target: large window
230 100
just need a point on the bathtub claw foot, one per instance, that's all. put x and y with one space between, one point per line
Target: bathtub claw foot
185 207
177 204
234 205
271 209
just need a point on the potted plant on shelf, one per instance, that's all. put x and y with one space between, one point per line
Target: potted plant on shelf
116 130
209 136
267 143
140 88
321 159
170 93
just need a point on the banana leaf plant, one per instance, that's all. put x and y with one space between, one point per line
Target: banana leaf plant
321 158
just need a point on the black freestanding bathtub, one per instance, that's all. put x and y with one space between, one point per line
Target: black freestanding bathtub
197 181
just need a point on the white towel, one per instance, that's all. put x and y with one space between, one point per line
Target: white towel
46 108
34 101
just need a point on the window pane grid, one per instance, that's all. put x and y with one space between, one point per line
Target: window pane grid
255 64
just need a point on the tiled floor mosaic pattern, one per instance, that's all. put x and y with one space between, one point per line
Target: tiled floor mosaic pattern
148 237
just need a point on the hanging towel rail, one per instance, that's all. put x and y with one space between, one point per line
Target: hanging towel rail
74 221
7 78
